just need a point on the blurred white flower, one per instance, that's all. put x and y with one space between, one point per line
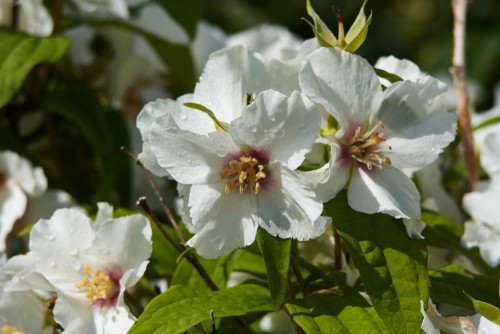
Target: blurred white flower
18 180
33 18
433 322
484 230
381 133
88 263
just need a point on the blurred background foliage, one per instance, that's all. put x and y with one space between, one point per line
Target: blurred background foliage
64 120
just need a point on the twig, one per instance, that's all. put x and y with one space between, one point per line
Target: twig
141 202
57 17
298 275
200 329
158 194
337 249
212 322
458 73
289 287
14 11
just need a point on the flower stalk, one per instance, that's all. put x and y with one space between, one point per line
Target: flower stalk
458 73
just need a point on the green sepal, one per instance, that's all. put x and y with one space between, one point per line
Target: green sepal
488 311
219 125
391 77
360 38
276 254
324 35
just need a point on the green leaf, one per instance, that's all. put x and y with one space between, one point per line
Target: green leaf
448 284
20 53
181 307
323 34
276 254
186 12
441 231
334 313
392 266
360 38
488 311
219 125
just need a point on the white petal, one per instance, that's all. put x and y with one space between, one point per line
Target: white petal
74 313
388 191
483 325
22 271
45 205
12 206
328 180
32 180
482 203
182 206
23 310
271 41
229 75
148 159
225 221
113 320
131 240
104 212
209 38
414 227
345 84
490 153
415 137
289 207
67 232
286 127
189 157
486 238
429 87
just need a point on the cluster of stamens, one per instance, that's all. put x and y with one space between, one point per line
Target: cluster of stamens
245 173
11 329
98 285
365 148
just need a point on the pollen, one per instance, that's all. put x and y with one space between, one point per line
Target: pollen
11 329
98 285
365 147
245 174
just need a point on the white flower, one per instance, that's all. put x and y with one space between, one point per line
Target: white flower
246 177
89 264
484 231
20 311
230 74
18 180
434 322
380 134
33 18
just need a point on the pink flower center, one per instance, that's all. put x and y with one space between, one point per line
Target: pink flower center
245 172
101 287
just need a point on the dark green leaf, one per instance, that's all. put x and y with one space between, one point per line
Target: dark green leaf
392 265
335 313
449 283
276 254
181 307
20 53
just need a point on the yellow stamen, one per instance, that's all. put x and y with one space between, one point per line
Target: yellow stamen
11 329
97 284
365 149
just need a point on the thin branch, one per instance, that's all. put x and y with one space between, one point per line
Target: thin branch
298 275
289 287
458 73
14 12
337 249
212 322
141 202
200 329
158 194
57 17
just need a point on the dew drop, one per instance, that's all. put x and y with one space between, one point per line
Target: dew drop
73 252
280 133
183 116
50 237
